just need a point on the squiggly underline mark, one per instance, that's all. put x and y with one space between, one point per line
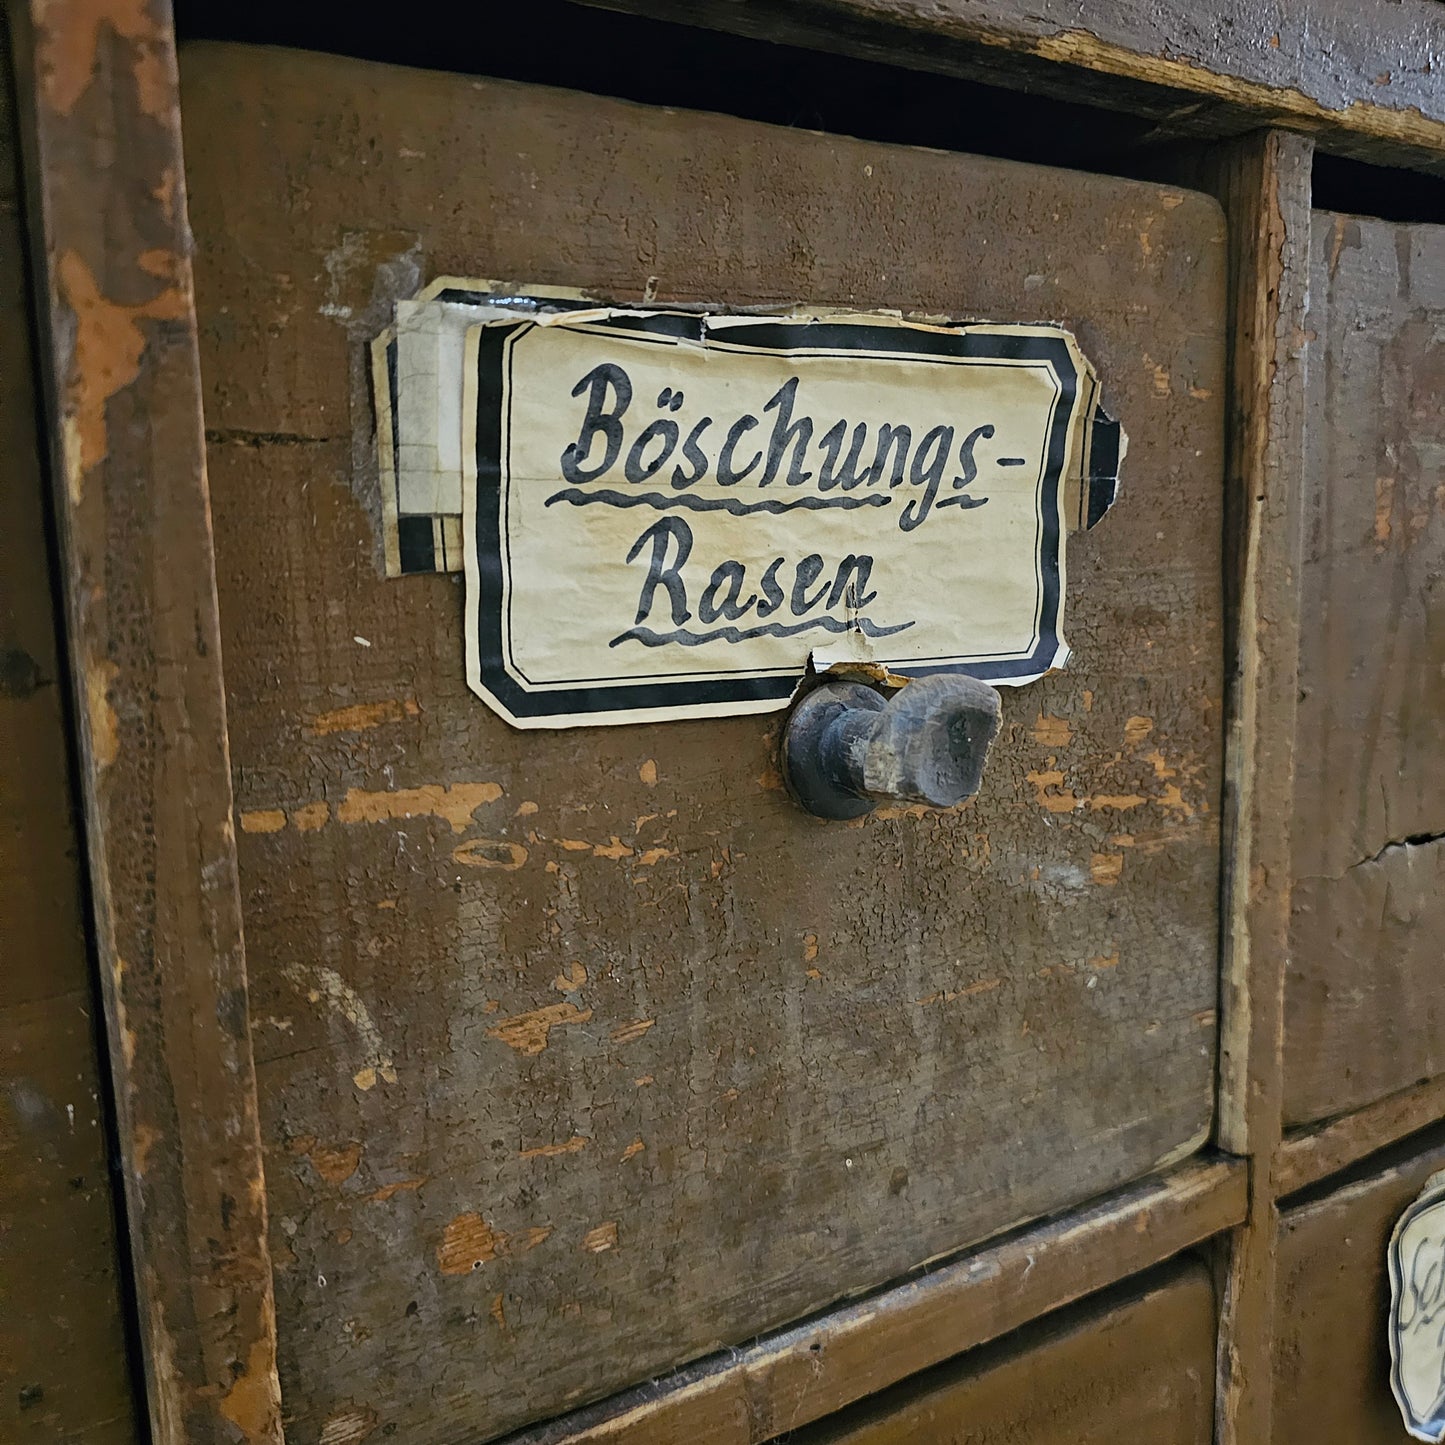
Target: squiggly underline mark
648 638
714 504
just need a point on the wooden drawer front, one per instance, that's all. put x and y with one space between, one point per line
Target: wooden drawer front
692 1063
1365 998
1141 1369
1331 1356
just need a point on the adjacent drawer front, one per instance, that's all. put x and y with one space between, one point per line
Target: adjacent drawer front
1332 1360
1141 1369
1365 998
693 1063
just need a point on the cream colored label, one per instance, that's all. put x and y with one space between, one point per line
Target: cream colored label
666 514
1417 1312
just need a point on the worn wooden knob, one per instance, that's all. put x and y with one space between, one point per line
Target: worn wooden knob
847 748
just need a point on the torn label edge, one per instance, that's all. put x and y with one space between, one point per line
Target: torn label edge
431 541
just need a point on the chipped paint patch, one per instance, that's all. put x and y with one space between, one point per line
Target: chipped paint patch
348 1426
253 1403
1136 729
326 983
1119 802
603 1237
361 716
529 1032
614 848
648 772
334 1165
469 1242
454 803
401 1186
632 1151
491 853
1052 732
1106 868
626 1033
109 344
67 53
947 995
309 818
104 727
574 1145
571 978
1105 960
263 820
1046 782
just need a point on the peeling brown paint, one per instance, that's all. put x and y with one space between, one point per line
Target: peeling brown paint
67 52
349 1425
1106 868
603 1237
491 853
361 716
571 978
1136 729
1118 802
310 817
334 1164
1045 782
104 728
253 1403
626 1033
528 1033
109 344
263 820
454 803
390 1191
1052 732
573 1145
469 1242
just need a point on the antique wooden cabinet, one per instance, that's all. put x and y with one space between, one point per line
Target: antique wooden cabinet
469 1082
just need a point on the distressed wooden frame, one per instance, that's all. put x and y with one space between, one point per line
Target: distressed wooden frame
99 113
111 242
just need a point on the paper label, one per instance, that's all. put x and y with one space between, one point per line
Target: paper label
1417 1313
664 514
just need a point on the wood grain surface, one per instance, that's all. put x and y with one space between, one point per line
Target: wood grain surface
127 464
1331 1354
63 1368
1360 78
816 1367
1263 182
1366 994
1140 1369
580 1054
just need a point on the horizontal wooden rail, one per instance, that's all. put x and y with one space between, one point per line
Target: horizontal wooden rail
786 1380
1311 1154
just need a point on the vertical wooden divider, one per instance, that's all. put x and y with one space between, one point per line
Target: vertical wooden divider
1263 182
111 257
